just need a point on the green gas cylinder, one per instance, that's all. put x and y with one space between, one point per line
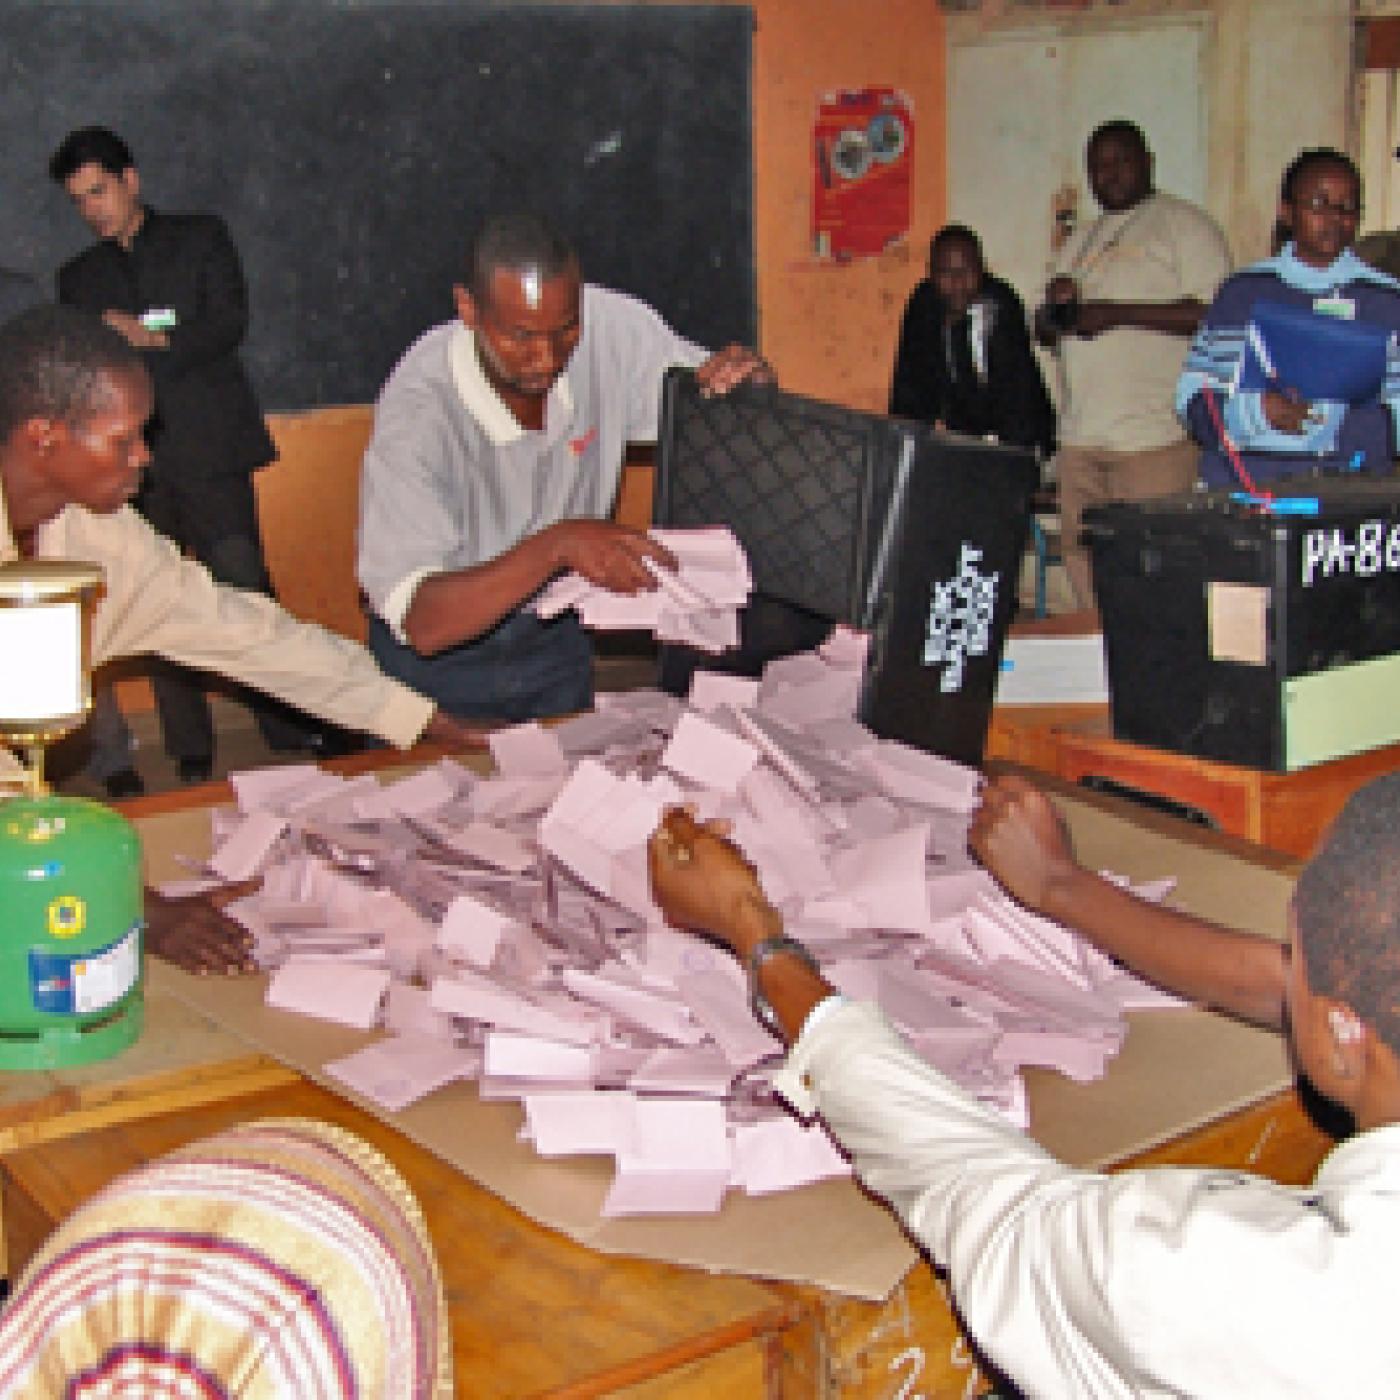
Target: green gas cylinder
70 932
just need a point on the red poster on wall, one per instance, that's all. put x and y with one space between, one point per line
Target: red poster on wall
862 176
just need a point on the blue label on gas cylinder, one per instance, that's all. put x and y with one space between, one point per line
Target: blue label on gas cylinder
77 984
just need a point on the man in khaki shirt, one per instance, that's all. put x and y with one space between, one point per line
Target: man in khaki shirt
1127 295
74 399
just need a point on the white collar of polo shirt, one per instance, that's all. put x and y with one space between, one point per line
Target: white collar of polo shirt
485 404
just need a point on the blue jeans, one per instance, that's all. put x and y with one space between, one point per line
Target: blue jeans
524 668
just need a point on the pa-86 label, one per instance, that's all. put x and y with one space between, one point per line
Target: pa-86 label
1370 548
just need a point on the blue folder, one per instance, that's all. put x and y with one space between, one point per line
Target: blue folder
1314 356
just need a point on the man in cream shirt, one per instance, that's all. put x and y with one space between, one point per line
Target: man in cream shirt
1127 294
74 400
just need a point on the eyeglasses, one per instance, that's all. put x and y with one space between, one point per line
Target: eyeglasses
1320 204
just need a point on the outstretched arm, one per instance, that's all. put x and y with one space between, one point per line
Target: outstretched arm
1023 843
457 605
703 883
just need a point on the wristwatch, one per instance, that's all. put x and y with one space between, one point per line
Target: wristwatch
758 955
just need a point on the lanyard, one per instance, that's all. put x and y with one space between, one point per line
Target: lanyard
1084 263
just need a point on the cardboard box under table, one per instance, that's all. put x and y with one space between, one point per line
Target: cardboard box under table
813 1292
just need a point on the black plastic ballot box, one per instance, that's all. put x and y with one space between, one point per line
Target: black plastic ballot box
1265 635
911 534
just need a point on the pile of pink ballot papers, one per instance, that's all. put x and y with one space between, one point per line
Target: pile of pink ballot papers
500 930
696 604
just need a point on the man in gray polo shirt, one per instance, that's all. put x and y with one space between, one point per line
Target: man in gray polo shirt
494 463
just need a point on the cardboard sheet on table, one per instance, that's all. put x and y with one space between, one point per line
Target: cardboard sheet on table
396 1071
1177 1071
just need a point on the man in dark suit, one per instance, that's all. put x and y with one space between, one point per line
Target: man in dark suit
965 360
172 285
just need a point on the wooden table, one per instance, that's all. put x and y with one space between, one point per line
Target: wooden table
1031 734
1285 812
534 1313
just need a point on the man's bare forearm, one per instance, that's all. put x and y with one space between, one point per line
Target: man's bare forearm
1242 974
1165 317
457 606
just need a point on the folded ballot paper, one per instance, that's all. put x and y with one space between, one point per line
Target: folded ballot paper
696 604
499 929
1315 356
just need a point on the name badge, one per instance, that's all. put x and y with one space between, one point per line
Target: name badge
159 318
1343 308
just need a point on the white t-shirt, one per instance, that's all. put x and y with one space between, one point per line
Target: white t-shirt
1118 388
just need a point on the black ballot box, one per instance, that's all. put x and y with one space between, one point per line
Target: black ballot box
1262 634
892 527
958 524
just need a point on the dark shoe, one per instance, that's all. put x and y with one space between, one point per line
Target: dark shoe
319 743
124 783
337 743
195 770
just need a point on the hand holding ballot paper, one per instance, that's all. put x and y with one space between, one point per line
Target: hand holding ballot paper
1307 357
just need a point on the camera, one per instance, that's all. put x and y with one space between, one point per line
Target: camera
1062 315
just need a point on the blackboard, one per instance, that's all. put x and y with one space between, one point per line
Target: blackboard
352 147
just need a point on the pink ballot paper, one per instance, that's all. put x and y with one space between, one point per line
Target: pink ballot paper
501 929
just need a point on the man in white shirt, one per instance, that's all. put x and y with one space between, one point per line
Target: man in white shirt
494 463
1156 1282
1128 292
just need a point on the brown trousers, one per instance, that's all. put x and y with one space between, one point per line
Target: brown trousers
1090 476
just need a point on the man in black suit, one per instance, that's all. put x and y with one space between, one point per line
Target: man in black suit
172 285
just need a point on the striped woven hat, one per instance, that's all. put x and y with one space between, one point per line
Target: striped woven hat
284 1258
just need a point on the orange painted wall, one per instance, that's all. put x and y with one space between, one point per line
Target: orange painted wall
831 329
